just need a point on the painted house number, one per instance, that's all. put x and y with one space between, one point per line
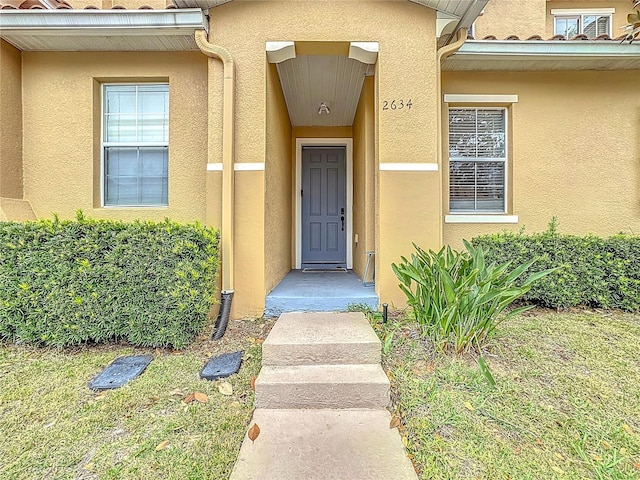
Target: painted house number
396 104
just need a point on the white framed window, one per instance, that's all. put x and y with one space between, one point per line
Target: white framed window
135 144
590 22
477 160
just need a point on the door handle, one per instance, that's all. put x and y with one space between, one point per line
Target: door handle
342 218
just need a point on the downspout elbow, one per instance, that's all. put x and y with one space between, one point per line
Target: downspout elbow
214 51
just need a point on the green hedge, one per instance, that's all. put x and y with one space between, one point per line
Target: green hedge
593 271
71 282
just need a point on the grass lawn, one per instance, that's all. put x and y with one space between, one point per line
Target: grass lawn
566 403
53 427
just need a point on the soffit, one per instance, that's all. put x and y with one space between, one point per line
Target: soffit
310 80
102 30
492 55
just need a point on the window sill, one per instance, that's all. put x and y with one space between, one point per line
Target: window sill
135 207
479 218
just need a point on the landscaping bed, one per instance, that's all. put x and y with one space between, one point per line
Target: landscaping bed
53 426
566 402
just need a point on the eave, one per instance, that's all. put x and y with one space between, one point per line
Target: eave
492 55
102 30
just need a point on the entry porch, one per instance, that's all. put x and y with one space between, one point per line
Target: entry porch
325 291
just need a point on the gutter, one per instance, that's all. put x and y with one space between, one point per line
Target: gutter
443 53
228 138
468 17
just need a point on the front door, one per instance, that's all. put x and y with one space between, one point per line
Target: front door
324 182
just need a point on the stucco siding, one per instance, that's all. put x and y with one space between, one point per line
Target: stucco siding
62 149
11 124
278 185
575 150
502 18
363 178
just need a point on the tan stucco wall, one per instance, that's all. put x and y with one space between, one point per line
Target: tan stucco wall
62 150
10 121
278 185
575 151
502 18
364 181
623 7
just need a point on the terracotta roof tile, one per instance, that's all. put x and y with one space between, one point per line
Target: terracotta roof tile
577 38
59 5
582 36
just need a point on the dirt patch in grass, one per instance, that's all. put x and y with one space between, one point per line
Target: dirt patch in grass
53 426
566 404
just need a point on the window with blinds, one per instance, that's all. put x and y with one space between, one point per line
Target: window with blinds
589 25
135 145
477 160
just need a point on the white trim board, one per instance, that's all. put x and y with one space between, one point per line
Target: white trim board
323 142
465 98
237 167
474 218
409 167
574 12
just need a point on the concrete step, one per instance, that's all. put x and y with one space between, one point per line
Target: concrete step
321 338
322 386
323 445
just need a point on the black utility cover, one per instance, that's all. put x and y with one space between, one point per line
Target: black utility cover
221 366
120 371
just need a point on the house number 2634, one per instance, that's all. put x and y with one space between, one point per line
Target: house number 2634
396 104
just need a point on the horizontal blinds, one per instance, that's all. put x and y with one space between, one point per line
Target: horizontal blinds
477 148
135 144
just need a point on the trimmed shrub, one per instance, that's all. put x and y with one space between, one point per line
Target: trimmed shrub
70 282
591 271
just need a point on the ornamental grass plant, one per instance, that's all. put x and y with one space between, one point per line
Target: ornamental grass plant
457 298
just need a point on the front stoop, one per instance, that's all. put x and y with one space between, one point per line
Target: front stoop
321 400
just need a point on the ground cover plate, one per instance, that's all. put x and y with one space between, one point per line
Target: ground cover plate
120 371
221 366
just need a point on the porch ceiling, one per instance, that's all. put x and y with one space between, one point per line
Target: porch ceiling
310 80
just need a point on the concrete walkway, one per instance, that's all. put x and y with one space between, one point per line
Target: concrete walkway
321 400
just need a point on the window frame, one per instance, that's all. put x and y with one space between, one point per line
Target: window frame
579 14
451 159
104 144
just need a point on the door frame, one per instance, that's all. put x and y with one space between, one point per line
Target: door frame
324 142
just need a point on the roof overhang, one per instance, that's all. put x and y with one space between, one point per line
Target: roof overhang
102 30
460 13
478 55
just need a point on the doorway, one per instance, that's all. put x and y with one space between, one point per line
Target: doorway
324 197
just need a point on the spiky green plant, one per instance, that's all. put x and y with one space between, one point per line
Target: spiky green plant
457 298
633 26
